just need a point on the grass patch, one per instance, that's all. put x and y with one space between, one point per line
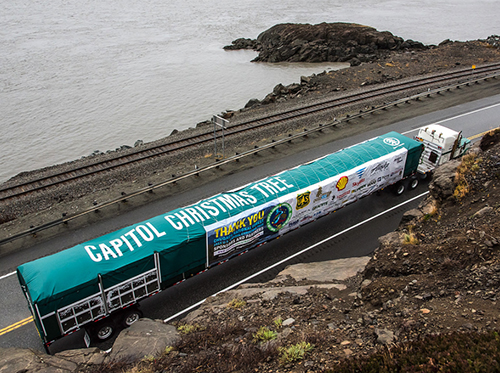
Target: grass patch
236 303
469 166
188 328
264 334
295 352
410 238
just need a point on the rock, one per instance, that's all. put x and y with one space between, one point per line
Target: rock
484 211
390 239
384 336
327 271
31 361
144 337
334 42
411 216
443 184
83 356
243 43
288 321
138 143
252 102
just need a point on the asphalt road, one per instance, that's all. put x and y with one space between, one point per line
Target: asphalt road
471 118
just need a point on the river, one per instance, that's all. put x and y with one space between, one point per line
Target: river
83 75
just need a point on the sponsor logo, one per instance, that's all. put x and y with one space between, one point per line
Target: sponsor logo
320 205
303 200
392 141
344 194
361 172
356 183
380 167
342 183
320 195
279 217
372 182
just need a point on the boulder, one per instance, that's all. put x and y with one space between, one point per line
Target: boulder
443 184
144 337
331 270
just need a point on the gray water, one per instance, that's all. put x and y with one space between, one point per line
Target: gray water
83 75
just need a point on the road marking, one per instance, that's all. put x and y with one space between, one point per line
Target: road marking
455 117
296 254
7 275
16 325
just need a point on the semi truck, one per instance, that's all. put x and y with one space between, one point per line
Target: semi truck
97 285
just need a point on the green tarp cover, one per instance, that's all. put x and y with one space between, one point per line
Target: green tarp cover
255 213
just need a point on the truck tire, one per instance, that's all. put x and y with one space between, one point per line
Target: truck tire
131 316
414 182
399 188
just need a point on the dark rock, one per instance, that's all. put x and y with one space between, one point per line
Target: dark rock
334 42
243 43
253 102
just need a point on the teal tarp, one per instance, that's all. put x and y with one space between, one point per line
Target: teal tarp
70 275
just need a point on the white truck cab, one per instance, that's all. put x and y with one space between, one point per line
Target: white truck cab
441 145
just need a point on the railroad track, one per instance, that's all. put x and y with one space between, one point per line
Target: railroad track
122 160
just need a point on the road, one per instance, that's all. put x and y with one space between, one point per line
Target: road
471 118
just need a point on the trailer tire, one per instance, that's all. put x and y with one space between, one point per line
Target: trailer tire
414 182
399 188
104 331
131 316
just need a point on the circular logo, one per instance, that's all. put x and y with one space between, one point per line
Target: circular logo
279 217
392 141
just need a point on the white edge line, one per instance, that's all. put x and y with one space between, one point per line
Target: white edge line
455 117
7 275
296 254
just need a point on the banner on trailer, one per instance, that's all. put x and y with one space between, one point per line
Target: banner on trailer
265 222
332 194
246 230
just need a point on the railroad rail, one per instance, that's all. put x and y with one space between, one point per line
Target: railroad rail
138 155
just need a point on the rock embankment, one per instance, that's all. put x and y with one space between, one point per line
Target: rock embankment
324 42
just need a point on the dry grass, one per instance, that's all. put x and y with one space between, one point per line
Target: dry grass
468 166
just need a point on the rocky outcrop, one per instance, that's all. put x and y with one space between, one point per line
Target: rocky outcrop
31 361
145 337
324 42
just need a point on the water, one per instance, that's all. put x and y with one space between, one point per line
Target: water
84 75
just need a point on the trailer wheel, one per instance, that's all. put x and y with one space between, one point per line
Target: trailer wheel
414 182
131 316
399 188
104 331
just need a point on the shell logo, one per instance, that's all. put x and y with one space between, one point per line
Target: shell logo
342 183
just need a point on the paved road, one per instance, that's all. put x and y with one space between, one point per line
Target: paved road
471 118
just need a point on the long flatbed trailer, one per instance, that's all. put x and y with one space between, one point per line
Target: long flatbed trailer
81 287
